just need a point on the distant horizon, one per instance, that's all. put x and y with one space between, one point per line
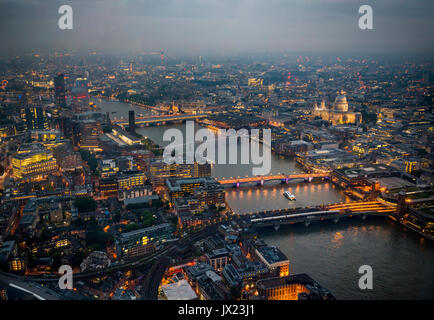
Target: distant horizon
176 56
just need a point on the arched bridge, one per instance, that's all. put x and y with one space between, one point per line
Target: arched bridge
284 178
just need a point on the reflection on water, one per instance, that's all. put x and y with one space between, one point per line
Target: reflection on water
268 197
118 110
402 261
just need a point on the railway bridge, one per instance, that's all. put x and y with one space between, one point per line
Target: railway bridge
333 212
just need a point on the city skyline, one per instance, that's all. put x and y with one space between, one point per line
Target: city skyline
235 151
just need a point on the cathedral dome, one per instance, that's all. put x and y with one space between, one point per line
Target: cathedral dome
341 103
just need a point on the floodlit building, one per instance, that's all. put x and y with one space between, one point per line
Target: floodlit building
295 287
33 166
339 112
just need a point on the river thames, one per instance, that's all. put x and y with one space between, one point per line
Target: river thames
402 261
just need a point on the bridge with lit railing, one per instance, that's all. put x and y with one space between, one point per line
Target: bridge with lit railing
333 212
144 120
284 178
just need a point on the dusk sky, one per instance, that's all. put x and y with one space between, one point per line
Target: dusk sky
200 27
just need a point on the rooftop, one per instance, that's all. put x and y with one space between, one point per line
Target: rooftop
271 254
180 290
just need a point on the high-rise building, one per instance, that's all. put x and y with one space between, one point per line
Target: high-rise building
35 118
131 121
80 96
59 90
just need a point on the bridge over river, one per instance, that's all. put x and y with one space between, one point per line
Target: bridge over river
284 178
333 212
160 119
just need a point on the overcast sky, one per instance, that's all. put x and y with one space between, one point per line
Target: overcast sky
200 27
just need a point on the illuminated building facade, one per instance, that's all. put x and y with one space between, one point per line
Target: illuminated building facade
131 179
107 167
218 258
206 191
274 259
50 139
255 82
80 96
33 166
125 137
17 265
142 241
338 113
295 287
159 171
35 118
108 187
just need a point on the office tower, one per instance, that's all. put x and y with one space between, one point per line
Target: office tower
59 90
159 171
132 121
34 165
204 190
66 127
35 118
142 241
80 96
